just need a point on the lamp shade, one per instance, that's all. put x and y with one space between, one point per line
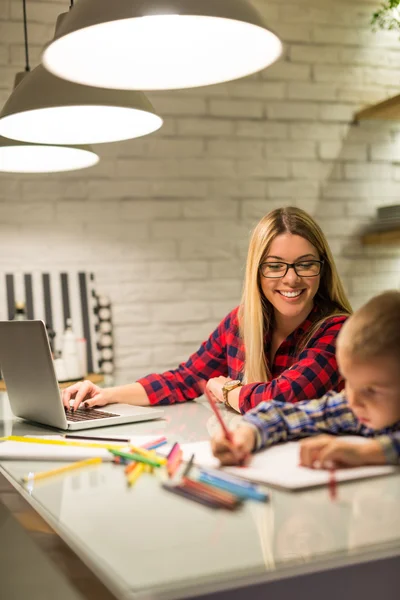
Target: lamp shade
46 109
160 44
19 157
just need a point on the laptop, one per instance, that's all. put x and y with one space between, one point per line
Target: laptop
32 387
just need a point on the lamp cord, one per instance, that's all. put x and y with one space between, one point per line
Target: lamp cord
27 67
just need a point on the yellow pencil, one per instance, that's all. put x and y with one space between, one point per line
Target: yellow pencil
135 474
149 454
77 465
33 440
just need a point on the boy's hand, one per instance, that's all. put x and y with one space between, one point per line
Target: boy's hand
327 451
244 440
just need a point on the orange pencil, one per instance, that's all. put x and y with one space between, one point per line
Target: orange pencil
135 473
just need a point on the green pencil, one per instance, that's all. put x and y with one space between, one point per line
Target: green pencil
137 457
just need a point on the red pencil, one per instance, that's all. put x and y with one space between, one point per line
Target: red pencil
332 484
174 459
213 405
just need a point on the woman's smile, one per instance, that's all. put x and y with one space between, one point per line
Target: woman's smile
290 295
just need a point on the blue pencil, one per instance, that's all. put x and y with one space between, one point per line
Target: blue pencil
157 445
229 478
237 490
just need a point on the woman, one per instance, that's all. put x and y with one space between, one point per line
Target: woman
280 342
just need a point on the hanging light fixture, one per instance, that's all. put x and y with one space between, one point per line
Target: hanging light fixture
160 44
46 109
50 110
20 157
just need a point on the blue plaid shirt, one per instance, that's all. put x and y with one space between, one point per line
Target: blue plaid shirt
277 421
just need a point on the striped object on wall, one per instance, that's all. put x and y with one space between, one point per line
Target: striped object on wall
54 297
105 340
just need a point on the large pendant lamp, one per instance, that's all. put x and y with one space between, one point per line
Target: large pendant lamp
20 157
160 44
46 109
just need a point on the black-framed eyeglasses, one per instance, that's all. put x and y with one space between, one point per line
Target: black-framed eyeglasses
303 268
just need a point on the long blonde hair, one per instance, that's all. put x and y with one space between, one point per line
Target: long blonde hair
256 312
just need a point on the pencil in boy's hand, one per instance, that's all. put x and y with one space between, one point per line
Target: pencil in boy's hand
227 433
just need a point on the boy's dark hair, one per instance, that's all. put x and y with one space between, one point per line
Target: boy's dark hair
374 329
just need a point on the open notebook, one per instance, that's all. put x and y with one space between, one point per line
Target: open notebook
278 466
10 450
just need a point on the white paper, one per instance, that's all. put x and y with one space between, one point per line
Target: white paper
11 450
278 466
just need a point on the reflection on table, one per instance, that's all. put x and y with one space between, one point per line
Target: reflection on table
123 532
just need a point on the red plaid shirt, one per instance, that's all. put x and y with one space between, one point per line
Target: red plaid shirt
304 377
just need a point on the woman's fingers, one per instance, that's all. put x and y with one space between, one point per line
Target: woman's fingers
86 390
69 393
97 400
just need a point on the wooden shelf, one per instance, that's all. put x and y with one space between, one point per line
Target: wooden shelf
93 377
390 237
388 109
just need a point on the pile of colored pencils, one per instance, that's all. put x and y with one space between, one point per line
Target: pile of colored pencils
212 488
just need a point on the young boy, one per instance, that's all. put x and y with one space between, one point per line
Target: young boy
368 354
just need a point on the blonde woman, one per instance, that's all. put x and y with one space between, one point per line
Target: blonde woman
278 344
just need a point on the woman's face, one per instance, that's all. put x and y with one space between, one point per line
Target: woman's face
292 296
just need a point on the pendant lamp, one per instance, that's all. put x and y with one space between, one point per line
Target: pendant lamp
20 157
160 44
46 109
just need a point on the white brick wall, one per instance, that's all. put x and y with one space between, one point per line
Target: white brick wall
164 220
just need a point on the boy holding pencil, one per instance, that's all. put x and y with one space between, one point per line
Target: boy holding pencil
368 354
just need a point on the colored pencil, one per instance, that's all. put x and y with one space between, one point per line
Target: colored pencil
226 498
228 477
174 459
175 489
227 433
129 468
332 484
137 457
134 475
121 440
37 440
148 453
61 470
188 467
233 488
155 443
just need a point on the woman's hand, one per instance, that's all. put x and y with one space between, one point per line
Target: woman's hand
327 451
236 452
87 393
214 387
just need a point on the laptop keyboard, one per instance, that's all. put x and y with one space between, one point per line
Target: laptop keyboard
88 414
